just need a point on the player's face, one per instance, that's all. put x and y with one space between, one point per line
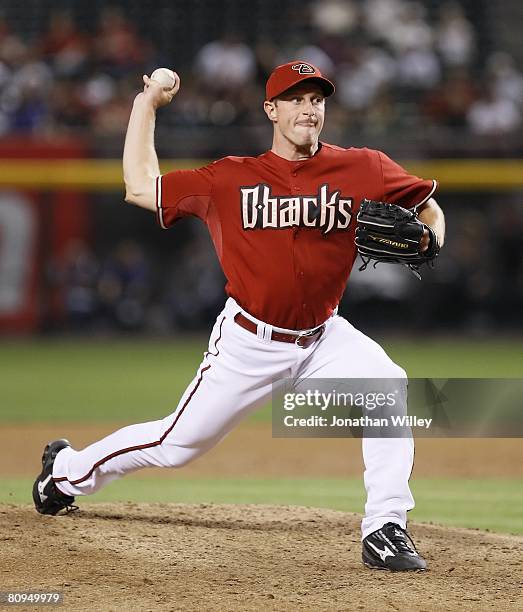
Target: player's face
298 114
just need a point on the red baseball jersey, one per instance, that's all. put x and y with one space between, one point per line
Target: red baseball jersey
284 230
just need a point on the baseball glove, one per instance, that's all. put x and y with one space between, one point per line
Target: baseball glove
391 234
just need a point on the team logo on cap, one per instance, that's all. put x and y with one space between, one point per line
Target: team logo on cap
304 68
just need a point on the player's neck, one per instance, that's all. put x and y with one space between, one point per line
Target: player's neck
290 151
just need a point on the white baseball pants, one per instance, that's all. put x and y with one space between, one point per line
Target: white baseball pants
234 378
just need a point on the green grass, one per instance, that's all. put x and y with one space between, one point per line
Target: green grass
94 381
493 504
458 358
135 380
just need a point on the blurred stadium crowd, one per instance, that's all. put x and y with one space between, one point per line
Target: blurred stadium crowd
401 66
416 79
128 288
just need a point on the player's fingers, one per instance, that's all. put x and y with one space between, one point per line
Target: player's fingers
425 241
174 89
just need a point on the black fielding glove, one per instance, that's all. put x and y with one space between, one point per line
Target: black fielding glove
389 233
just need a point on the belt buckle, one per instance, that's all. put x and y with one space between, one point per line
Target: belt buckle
306 335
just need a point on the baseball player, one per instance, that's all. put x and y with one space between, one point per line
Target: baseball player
283 225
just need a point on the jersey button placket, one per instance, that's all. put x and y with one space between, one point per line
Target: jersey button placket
294 189
297 189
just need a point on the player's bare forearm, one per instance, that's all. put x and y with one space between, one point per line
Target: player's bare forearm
431 214
140 162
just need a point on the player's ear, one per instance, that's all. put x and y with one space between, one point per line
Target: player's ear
269 106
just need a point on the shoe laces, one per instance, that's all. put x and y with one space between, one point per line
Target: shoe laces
399 537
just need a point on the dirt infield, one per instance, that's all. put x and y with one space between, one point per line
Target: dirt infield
211 557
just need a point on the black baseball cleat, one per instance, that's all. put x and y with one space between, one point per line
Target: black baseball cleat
391 548
47 498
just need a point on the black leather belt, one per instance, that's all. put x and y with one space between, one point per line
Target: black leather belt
302 340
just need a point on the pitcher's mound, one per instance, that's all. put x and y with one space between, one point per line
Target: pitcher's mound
221 557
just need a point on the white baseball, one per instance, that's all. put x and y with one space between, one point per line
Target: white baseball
165 77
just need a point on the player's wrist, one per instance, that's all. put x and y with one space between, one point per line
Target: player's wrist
432 242
142 100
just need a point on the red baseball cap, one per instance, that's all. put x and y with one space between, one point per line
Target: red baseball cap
285 76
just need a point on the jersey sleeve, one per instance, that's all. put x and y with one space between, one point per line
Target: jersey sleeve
184 193
400 187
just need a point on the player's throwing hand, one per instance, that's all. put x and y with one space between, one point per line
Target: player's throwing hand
158 95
